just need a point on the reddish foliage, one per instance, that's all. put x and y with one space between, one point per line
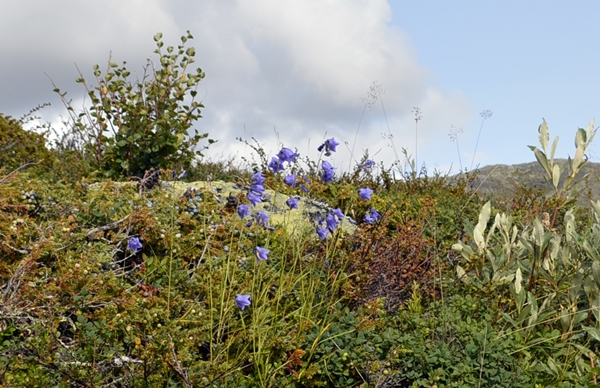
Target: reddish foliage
387 262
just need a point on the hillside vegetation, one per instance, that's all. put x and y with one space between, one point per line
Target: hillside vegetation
123 267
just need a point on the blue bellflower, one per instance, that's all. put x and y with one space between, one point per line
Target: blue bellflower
242 300
290 180
292 202
332 222
134 244
365 193
262 254
371 217
322 232
338 213
243 211
276 165
262 218
256 189
367 165
329 146
334 219
258 178
328 172
254 198
287 155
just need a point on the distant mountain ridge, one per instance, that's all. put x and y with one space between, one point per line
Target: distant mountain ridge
502 180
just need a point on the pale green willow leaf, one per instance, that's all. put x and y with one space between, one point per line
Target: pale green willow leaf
457 247
484 217
596 272
553 150
544 136
580 138
556 176
462 274
542 160
518 281
591 131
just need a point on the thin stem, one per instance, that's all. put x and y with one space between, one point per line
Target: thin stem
458 151
375 91
417 112
388 127
453 134
416 144
356 136
486 114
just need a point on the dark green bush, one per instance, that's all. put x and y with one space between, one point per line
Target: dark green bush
455 342
19 147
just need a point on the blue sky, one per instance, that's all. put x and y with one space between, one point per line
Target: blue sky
293 72
524 60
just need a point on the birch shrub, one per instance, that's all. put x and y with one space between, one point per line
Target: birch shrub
135 124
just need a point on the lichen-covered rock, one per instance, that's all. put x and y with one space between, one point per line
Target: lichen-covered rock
295 221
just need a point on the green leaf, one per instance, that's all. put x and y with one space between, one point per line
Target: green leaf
556 176
461 274
593 332
552 366
596 308
518 281
553 150
158 36
542 160
582 349
580 138
544 136
484 217
81 319
591 131
590 250
532 301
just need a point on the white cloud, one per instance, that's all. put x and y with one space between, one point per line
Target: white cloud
301 67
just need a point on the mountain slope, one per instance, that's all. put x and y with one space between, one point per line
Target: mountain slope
502 181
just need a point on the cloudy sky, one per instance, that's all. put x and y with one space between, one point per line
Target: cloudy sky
294 72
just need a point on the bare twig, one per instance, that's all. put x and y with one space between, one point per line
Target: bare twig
112 225
193 271
14 283
177 367
17 169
